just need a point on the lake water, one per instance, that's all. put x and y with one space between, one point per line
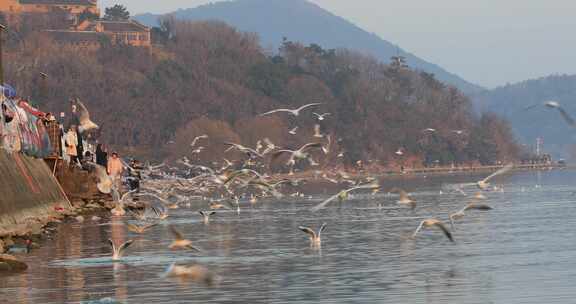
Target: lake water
522 251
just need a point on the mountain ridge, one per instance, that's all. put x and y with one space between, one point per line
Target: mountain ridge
274 19
511 101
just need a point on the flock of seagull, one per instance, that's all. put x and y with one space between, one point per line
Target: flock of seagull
229 183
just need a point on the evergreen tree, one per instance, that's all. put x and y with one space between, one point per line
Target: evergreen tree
117 12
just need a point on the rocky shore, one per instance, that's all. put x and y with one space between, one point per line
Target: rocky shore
28 235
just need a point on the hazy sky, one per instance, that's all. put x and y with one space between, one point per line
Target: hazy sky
488 42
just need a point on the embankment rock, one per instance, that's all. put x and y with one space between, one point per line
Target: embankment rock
9 263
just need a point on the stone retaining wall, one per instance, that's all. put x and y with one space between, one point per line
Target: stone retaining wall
28 190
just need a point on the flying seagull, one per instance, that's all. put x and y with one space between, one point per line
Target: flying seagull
217 205
179 240
140 228
483 184
118 251
404 199
249 151
555 105
84 117
232 176
315 239
198 150
567 118
206 215
197 138
118 210
471 206
294 112
479 196
104 184
297 154
343 195
431 223
265 186
321 116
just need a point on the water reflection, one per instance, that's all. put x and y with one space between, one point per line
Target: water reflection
516 253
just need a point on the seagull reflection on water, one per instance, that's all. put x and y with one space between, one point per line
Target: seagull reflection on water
195 273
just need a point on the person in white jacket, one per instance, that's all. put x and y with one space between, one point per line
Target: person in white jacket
72 144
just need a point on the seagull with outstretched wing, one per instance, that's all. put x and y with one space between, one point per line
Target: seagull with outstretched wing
294 112
320 116
196 139
404 198
315 238
84 117
297 154
118 251
249 151
140 228
104 184
483 184
343 195
206 215
179 240
567 118
461 213
434 223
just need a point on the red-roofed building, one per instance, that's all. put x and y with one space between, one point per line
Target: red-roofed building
88 33
127 32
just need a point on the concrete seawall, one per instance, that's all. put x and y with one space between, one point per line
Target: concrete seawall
28 190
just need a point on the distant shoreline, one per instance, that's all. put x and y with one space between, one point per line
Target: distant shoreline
527 167
422 172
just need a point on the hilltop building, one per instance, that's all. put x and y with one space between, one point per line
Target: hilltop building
13 9
127 32
47 6
91 34
83 32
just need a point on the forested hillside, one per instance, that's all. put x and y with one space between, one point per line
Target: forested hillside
209 78
306 22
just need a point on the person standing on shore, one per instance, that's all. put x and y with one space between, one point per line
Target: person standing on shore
135 175
79 135
115 169
71 140
101 155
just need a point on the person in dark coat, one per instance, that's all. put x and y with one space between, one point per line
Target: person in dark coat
101 156
8 115
74 119
135 175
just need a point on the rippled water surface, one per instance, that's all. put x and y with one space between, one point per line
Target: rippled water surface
523 251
